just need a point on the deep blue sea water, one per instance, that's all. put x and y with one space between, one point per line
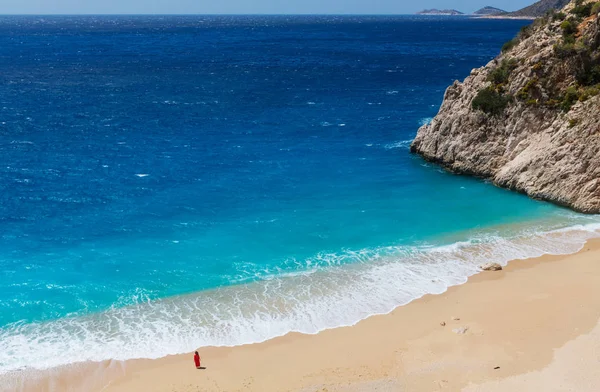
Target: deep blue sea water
173 182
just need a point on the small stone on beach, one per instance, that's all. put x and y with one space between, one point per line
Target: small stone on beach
491 267
456 318
443 323
461 330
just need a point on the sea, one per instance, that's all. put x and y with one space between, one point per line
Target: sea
174 182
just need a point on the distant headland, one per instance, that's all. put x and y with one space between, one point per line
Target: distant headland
539 8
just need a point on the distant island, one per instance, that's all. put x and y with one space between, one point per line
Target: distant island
533 11
485 11
490 11
440 12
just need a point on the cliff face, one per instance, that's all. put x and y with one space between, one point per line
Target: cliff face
530 119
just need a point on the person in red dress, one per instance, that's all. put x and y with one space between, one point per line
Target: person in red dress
197 360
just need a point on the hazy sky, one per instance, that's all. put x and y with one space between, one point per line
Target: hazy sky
245 6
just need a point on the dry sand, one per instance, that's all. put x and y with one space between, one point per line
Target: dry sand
532 327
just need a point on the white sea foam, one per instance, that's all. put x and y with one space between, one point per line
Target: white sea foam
333 290
425 121
400 144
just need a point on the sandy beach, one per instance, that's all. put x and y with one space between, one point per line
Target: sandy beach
532 326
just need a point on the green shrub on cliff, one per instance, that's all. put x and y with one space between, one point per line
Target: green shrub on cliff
524 94
573 122
589 92
558 16
571 96
490 101
583 10
501 74
589 75
509 45
526 31
569 49
596 8
569 27
564 51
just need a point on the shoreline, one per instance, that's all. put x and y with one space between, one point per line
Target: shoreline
334 297
506 17
484 16
385 350
338 297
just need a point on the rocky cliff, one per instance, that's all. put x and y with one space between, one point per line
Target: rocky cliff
530 119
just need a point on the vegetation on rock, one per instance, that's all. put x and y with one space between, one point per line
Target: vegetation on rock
582 10
501 74
527 31
581 53
569 29
490 101
509 45
525 94
493 100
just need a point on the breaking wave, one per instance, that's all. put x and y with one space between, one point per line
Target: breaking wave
355 285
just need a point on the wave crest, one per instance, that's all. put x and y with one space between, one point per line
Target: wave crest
339 294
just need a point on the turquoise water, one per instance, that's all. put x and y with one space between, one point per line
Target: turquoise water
175 182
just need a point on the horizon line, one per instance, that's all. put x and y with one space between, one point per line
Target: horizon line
235 14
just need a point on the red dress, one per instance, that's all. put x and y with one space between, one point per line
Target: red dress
197 360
